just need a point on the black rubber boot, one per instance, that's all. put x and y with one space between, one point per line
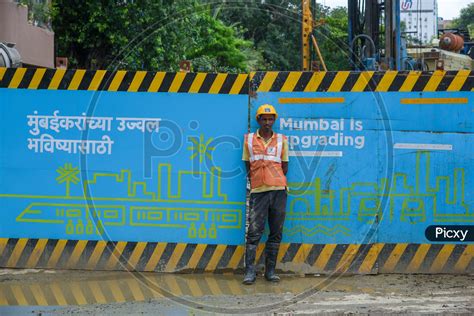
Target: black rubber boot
250 273
271 254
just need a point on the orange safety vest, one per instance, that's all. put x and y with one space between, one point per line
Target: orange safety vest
265 163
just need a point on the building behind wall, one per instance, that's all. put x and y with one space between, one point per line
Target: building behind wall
33 37
444 24
420 18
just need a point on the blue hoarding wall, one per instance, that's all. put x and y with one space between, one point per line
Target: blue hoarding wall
122 166
374 166
161 162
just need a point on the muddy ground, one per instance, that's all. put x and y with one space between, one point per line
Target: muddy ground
43 292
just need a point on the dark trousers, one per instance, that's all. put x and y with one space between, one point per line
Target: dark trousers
271 205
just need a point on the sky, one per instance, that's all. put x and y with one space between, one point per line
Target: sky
447 9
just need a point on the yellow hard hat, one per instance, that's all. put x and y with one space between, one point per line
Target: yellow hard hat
266 109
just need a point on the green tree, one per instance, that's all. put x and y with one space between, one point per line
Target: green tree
333 39
274 27
39 12
146 34
465 18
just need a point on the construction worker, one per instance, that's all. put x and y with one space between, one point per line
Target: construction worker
266 158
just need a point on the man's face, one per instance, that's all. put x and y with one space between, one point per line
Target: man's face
266 121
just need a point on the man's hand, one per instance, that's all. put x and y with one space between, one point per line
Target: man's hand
284 167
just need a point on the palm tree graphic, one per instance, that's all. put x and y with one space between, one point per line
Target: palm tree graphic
67 174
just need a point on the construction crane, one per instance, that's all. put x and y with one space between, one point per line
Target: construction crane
374 35
308 37
376 41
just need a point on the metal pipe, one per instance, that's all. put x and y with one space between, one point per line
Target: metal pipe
366 37
315 43
398 37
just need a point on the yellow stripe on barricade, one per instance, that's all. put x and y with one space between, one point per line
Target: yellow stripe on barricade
3 243
35 81
155 257
17 252
216 256
410 81
291 82
435 80
434 101
362 81
177 81
197 83
370 259
236 257
76 253
76 79
176 255
441 258
36 253
136 254
323 258
239 84
2 72
137 81
115 84
56 80
465 259
97 252
217 84
310 100
17 78
386 81
267 81
314 82
338 81
459 80
156 82
116 253
96 80
418 258
57 252
394 257
172 257
282 251
197 254
302 253
347 258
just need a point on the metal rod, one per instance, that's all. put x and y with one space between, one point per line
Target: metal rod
315 43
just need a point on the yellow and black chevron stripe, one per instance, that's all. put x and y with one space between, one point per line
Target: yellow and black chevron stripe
130 81
347 81
180 257
143 81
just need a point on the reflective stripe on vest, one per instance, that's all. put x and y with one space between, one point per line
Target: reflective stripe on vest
253 157
250 145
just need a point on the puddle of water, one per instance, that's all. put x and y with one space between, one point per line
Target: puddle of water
81 288
78 288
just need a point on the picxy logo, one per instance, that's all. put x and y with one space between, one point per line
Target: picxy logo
459 233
